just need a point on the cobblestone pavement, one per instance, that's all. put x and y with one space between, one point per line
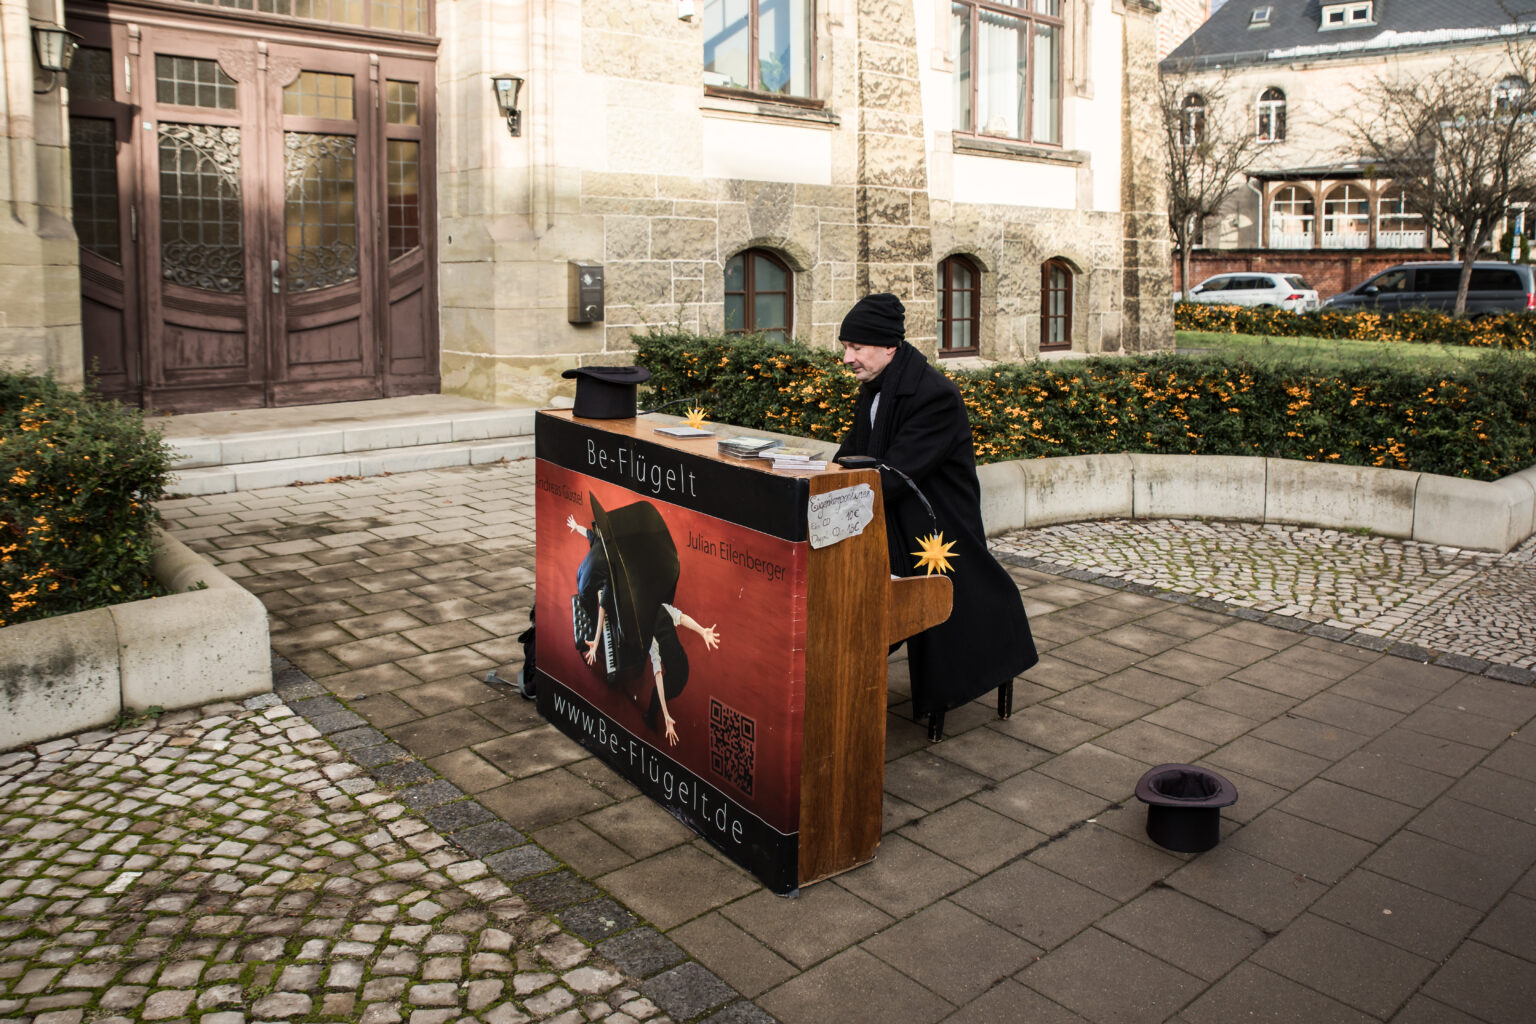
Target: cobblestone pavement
229 865
455 858
1447 600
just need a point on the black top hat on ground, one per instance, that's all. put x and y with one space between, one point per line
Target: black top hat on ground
606 392
1184 805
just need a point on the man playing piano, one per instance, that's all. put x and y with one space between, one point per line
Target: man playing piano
911 419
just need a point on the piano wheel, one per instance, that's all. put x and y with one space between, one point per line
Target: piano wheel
1005 700
935 727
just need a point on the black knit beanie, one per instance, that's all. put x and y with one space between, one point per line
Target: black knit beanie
878 319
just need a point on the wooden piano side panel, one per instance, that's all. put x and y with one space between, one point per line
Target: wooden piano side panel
843 753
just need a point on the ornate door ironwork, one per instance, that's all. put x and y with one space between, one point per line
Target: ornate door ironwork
256 238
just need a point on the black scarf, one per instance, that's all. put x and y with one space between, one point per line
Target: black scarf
903 369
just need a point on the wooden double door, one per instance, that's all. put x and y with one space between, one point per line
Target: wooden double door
255 215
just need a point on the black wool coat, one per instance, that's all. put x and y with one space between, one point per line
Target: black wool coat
922 429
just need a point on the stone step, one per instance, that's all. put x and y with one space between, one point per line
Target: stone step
247 476
217 461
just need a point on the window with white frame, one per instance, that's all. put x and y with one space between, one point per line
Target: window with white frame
1509 94
1292 218
1008 68
1347 15
1192 120
1346 218
1398 225
1271 116
760 45
1260 16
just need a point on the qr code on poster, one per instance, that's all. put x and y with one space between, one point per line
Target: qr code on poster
732 745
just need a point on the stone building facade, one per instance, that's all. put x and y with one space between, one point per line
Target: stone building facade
1296 78
856 174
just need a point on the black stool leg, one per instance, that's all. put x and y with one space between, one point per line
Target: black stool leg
935 727
1005 700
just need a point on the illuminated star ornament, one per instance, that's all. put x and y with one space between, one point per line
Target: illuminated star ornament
934 555
695 417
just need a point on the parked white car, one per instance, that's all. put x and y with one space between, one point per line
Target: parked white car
1256 288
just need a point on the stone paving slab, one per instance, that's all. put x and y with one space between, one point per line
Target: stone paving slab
1379 865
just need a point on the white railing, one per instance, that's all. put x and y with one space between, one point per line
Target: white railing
1290 239
1346 240
1400 239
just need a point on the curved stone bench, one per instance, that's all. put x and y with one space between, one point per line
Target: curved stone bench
70 673
1391 502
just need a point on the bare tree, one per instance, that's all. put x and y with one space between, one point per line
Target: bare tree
1462 145
1208 150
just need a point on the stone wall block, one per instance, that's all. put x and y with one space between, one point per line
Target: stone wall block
1340 497
679 238
635 58
888 206
895 167
899 245
1197 486
1002 496
704 190
886 21
631 206
193 649
770 210
626 238
627 186
1472 513
1076 487
54 682
836 243
889 94
638 283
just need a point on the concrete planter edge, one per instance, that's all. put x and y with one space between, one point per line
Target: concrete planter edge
70 673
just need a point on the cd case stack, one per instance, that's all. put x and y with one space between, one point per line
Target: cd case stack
747 447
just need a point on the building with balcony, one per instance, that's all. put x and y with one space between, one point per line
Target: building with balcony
1293 73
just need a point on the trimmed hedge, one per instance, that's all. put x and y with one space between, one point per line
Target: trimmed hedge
1471 420
1515 331
79 476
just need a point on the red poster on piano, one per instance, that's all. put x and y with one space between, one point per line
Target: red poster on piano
671 631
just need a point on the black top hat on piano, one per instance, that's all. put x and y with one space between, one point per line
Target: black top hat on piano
606 392
643 569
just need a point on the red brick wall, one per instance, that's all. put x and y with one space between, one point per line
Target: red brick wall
1330 271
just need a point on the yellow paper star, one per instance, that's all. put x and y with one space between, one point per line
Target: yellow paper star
934 555
695 417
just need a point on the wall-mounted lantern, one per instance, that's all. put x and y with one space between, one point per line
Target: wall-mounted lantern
54 49
506 88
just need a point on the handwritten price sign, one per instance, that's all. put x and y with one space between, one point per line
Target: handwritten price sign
840 514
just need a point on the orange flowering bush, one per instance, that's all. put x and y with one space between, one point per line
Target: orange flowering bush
79 476
1516 331
1474 420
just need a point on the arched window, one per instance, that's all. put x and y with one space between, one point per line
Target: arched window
1398 225
1272 116
1292 219
759 295
959 307
1347 218
1192 120
1055 305
1509 94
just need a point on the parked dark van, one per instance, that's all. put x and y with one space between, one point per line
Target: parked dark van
1495 288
